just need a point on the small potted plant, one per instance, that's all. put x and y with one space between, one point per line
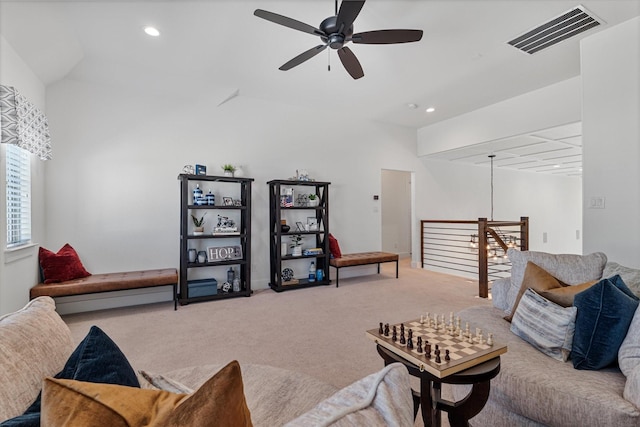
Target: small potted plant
228 169
198 224
314 200
296 245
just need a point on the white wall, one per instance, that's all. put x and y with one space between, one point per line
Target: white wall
611 141
19 268
553 204
112 190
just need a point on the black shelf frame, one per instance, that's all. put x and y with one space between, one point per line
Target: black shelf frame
182 291
276 235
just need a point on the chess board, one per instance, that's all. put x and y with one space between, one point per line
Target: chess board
463 354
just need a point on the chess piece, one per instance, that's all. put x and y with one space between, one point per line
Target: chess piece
460 335
490 339
381 330
428 350
422 319
467 331
437 353
480 339
446 355
403 339
401 328
410 334
394 338
410 343
386 329
419 342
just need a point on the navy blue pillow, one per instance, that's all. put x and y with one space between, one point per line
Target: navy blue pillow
605 311
97 359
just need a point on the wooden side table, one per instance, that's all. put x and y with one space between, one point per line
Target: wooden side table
430 400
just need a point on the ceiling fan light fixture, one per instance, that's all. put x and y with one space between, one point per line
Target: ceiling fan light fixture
430 110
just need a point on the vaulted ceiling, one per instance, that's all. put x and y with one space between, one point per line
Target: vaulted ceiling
462 63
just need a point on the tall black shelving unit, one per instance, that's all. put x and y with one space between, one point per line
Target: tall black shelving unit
317 238
241 238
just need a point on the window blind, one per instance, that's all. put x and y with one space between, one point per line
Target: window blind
18 170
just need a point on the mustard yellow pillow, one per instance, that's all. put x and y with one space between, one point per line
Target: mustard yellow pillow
564 296
72 403
537 279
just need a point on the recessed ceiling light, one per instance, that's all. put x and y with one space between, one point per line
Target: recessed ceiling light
151 31
556 166
430 110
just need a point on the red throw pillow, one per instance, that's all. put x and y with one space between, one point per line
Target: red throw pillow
334 247
60 267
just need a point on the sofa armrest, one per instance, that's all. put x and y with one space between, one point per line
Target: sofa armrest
500 292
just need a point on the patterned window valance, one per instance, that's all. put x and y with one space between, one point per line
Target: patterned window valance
23 124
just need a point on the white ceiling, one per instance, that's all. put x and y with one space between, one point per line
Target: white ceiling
556 151
219 48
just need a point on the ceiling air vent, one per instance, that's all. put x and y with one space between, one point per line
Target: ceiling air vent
569 24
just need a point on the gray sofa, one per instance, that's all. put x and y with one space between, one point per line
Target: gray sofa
35 343
533 389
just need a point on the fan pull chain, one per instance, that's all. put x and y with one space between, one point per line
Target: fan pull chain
328 60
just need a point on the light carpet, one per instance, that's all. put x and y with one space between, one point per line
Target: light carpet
319 331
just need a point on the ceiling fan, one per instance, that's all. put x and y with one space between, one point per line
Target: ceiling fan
336 31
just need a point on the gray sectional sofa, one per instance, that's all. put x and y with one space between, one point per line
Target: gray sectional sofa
35 343
534 389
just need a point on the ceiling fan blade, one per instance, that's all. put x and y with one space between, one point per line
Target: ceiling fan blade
287 22
350 62
349 10
304 56
387 36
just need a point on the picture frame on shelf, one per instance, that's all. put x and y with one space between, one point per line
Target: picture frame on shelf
227 201
237 202
201 169
300 226
312 222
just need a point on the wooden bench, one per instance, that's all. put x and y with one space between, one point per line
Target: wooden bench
110 282
362 258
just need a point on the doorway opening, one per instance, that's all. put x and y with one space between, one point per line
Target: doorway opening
396 212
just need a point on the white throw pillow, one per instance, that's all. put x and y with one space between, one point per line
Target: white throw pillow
380 399
545 325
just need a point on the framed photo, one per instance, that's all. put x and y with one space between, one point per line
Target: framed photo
227 201
237 202
201 170
300 226
312 222
223 253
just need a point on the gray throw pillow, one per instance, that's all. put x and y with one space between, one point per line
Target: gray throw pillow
568 268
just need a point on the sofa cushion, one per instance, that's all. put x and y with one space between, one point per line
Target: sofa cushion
629 352
383 399
632 387
605 311
542 392
220 401
545 325
631 276
567 268
96 359
62 266
34 343
534 278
